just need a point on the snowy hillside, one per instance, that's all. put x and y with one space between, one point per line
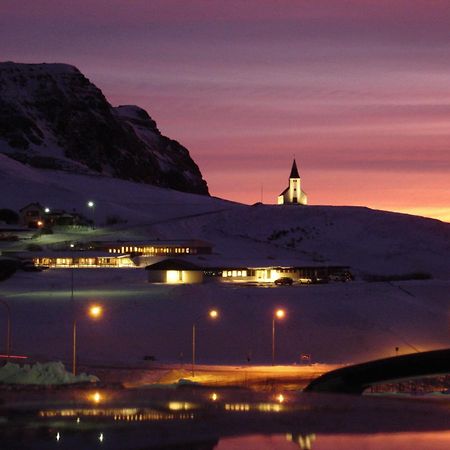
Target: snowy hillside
51 116
337 322
370 241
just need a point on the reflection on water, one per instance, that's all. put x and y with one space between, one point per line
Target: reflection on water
198 419
383 441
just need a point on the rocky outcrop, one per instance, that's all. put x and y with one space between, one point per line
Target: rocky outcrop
53 117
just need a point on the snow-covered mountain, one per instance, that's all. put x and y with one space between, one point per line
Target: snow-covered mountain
53 117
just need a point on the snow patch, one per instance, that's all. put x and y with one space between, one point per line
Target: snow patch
41 374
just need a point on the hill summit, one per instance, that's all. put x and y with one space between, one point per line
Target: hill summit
53 117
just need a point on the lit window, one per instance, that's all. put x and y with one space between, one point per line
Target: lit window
174 276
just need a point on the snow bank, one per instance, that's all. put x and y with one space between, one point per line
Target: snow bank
43 374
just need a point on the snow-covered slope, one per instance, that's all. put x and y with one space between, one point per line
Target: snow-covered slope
51 116
336 322
370 241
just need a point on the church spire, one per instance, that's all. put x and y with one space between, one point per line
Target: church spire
294 171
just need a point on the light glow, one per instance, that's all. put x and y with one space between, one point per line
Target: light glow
95 311
96 397
280 313
174 276
214 314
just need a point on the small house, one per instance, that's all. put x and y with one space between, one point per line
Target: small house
32 216
175 271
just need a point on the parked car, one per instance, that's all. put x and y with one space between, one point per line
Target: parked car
284 281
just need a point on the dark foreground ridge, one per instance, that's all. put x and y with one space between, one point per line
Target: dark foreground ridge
355 379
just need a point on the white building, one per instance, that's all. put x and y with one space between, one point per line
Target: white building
293 194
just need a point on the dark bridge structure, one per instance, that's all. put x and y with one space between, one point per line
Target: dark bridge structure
357 378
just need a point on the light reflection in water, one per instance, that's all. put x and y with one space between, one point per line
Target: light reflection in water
439 440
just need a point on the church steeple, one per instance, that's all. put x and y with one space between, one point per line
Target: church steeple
294 171
293 194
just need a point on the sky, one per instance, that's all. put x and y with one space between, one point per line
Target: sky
357 90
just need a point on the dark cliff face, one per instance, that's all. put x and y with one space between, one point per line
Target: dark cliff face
52 116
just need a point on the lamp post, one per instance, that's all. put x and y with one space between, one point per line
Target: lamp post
95 312
213 314
278 314
91 205
8 328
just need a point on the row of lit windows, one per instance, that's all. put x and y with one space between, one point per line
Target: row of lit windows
86 262
153 250
234 273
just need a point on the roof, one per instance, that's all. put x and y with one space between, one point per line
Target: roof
174 264
157 242
34 205
284 192
68 254
294 171
180 264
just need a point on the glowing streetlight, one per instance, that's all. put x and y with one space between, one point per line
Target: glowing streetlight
95 312
278 314
91 205
47 210
213 314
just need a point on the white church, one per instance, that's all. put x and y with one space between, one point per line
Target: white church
293 194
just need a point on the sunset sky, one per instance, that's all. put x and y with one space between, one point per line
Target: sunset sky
357 90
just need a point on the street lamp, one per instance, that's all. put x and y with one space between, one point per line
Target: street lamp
212 314
94 312
8 328
91 205
278 314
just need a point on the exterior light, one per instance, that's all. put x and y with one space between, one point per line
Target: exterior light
96 397
214 397
280 398
47 210
95 311
40 223
72 245
100 437
213 314
278 314
90 204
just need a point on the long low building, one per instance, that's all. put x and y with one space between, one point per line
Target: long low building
152 248
175 271
78 259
